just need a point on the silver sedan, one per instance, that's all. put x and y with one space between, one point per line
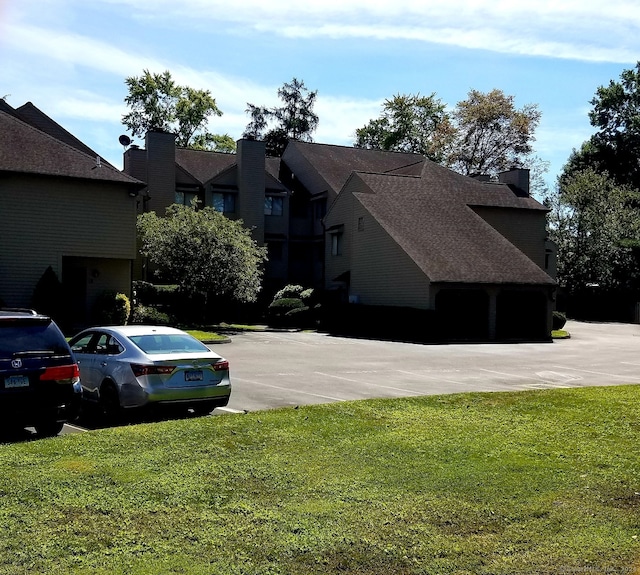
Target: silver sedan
133 366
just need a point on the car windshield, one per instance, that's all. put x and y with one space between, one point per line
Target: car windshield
168 343
30 339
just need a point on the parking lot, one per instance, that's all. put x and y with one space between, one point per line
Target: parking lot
271 369
278 369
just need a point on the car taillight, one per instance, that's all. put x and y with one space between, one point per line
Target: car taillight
140 370
61 372
220 366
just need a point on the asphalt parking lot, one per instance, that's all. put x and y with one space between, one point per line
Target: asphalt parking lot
278 369
270 369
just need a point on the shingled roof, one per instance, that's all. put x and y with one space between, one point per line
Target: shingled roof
430 218
27 149
336 163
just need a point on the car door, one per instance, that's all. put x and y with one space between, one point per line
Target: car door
83 349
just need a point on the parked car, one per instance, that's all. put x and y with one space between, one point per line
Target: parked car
134 366
39 377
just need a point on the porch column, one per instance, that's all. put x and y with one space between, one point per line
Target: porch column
493 312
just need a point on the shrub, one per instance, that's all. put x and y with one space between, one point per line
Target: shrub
289 291
144 314
48 295
278 310
112 308
559 319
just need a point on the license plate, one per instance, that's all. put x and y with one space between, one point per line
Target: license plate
16 381
193 375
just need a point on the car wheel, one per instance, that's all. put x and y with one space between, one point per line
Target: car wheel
48 428
110 403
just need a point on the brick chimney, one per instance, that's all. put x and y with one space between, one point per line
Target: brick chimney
251 185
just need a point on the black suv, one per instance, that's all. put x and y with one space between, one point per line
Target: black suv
39 377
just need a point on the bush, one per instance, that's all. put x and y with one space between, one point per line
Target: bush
112 308
559 319
48 295
289 291
144 314
277 314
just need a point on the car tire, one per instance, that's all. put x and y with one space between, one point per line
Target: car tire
48 428
109 403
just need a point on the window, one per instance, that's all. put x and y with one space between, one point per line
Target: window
336 244
273 206
224 202
361 224
185 198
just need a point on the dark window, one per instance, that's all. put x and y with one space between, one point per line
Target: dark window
273 206
224 202
185 198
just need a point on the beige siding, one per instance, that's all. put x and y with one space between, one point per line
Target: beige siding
382 273
525 229
45 220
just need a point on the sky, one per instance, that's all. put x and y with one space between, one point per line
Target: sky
70 58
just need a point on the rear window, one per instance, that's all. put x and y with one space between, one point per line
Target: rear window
20 336
168 343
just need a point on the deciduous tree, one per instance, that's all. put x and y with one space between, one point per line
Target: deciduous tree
615 147
158 103
410 123
492 135
203 252
594 223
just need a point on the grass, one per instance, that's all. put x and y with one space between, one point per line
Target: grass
537 482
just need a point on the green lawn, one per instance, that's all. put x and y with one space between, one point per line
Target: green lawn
540 482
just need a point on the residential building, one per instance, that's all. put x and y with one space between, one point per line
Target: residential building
379 228
64 207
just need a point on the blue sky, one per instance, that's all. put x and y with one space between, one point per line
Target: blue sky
71 57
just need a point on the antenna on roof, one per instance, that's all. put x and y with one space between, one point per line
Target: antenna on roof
124 140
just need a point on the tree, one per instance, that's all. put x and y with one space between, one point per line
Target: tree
410 123
158 103
203 252
594 223
615 147
491 134
294 120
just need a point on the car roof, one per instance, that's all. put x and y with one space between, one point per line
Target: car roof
21 313
132 330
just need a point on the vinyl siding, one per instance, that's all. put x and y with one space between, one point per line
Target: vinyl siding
382 273
46 219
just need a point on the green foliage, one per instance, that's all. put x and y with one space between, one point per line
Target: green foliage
294 120
492 135
289 291
158 103
543 481
410 123
594 224
615 146
111 308
144 314
48 295
203 252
